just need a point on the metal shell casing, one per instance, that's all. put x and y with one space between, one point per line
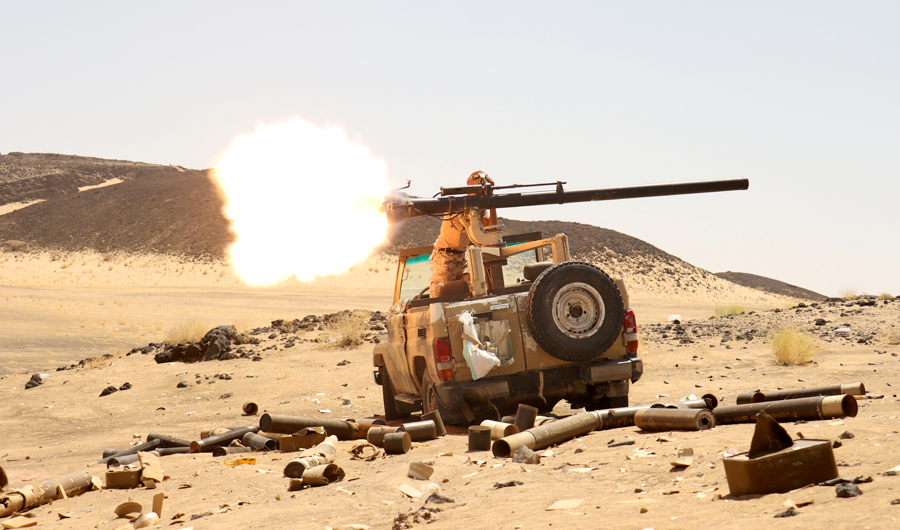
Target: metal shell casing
805 462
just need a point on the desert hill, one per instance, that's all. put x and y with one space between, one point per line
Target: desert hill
31 176
174 211
770 286
177 214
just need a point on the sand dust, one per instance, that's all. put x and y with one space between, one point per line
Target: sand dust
13 206
57 309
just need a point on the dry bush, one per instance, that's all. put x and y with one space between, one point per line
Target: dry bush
733 309
243 323
347 331
849 293
792 346
885 296
17 246
186 330
889 336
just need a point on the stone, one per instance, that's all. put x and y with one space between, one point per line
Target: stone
847 490
108 390
790 512
524 455
36 380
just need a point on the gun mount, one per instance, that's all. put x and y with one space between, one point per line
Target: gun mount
468 200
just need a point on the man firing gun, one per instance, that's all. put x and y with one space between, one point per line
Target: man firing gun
448 260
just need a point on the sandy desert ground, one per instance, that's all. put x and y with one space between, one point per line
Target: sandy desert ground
59 309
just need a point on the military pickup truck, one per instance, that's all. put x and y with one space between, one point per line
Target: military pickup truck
561 329
532 327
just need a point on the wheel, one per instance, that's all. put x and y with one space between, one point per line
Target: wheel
575 311
387 389
431 403
429 395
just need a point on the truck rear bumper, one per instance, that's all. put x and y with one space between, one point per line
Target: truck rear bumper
559 382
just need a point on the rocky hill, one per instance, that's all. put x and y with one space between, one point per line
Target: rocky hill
176 211
770 286
30 176
178 214
649 270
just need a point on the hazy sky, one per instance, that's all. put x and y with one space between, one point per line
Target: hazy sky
803 98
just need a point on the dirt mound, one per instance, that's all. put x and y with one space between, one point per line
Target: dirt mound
30 176
176 214
770 286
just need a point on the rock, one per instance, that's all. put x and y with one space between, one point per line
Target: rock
847 490
182 384
187 352
437 498
510 484
524 455
36 380
846 435
125 386
243 338
216 342
790 512
108 390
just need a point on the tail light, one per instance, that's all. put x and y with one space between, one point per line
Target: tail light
631 337
443 358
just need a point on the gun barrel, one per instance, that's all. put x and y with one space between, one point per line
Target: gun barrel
448 205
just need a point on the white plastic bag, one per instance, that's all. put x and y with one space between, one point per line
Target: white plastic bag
480 361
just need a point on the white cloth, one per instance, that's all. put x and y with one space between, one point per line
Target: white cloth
480 361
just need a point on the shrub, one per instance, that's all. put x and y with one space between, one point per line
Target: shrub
186 330
348 330
889 336
725 310
17 246
792 346
885 296
243 323
849 293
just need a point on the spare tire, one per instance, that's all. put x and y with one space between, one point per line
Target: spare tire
575 311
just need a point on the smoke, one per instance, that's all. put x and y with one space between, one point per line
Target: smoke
303 202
